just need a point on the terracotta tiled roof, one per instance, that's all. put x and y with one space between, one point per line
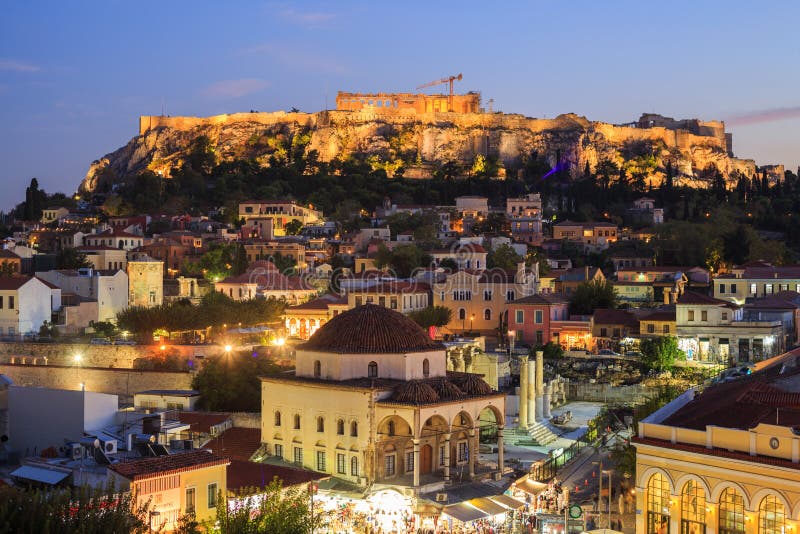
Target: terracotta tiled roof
202 421
165 465
542 299
691 297
9 283
659 316
243 475
605 316
7 254
321 303
371 329
236 443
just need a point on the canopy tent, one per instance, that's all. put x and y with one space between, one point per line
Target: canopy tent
464 512
510 503
487 505
531 486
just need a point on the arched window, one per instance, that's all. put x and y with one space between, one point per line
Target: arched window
462 314
297 422
320 424
731 512
658 503
277 418
487 314
354 466
426 368
693 508
354 429
390 428
771 516
372 370
340 427
317 369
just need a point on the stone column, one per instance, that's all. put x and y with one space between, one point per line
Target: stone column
546 401
523 392
416 462
500 452
471 451
539 384
532 366
447 457
468 367
460 364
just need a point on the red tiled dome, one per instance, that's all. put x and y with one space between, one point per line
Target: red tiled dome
371 329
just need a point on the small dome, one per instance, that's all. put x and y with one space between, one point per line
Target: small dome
371 329
472 384
446 389
414 391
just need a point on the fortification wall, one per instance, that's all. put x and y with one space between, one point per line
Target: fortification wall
105 356
122 382
149 122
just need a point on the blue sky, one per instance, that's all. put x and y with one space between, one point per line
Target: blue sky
75 76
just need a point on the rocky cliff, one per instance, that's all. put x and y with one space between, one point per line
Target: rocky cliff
420 142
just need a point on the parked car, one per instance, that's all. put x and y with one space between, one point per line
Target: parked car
125 342
99 341
607 352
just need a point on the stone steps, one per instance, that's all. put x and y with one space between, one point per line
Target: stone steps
536 434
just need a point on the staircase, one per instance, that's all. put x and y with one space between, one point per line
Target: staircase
537 434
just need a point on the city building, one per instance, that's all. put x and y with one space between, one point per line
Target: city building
525 218
280 211
103 257
465 256
567 281
544 318
25 304
404 297
668 283
145 281
50 215
115 238
658 323
594 236
302 320
756 279
613 329
724 459
108 287
370 401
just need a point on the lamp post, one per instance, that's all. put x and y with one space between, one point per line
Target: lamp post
471 322
152 514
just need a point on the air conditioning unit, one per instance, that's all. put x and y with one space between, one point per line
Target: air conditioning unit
188 444
76 451
109 446
441 497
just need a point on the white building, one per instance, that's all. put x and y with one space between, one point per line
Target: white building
25 303
108 287
166 399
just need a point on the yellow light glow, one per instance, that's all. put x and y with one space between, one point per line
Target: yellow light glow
78 358
228 348
163 347
279 342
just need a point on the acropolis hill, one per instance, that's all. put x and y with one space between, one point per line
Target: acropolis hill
419 130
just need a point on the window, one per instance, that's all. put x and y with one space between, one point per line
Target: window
277 418
462 451
190 500
320 424
11 302
539 337
520 316
603 332
393 303
354 466
665 329
487 294
372 370
1 302
212 495
390 428
409 461
297 422
771 516
354 429
693 508
731 512
783 287
340 427
279 450
651 328
382 301
767 289
321 461
509 295
341 465
389 465
616 332
538 317
317 369
657 504
426 368
359 301
704 315
462 314
724 316
753 289
298 455
691 315
721 289
487 314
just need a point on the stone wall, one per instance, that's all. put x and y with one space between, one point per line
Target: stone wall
122 382
585 391
116 356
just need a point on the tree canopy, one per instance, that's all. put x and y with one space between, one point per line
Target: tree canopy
660 353
591 295
432 316
231 382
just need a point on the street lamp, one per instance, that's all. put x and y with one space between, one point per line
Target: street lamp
152 514
78 358
471 322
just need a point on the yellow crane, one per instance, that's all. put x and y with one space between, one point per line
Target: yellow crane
447 80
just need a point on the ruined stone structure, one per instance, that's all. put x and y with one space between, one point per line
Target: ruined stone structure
400 103
715 129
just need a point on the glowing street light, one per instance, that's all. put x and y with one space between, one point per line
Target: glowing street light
163 348
228 349
279 342
78 358
82 386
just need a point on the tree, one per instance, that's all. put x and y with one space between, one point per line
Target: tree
231 382
432 316
589 296
660 353
274 508
550 350
449 263
71 258
7 269
503 257
293 227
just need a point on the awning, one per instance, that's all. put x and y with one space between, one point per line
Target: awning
487 505
464 512
531 486
507 501
39 474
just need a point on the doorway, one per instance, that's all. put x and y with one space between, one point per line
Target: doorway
425 459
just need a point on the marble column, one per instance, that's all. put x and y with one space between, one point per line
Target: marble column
416 463
500 452
472 452
523 392
539 385
531 392
546 401
446 458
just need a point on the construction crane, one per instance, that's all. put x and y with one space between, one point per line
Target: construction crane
448 80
